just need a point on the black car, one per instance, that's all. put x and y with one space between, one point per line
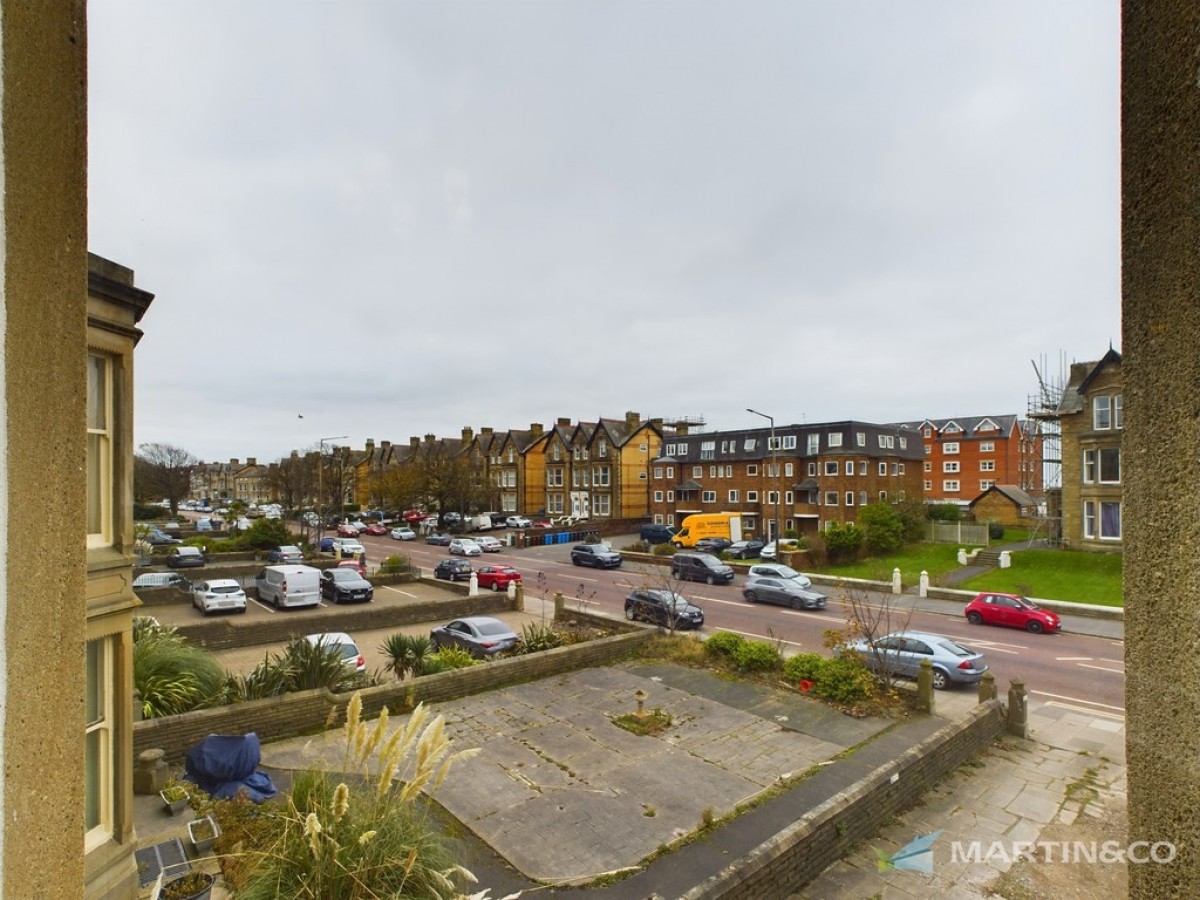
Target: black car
439 540
345 585
599 556
453 569
713 545
663 608
744 549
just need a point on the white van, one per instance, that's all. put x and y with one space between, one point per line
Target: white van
289 585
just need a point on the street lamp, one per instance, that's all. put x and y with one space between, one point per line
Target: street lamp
321 483
778 492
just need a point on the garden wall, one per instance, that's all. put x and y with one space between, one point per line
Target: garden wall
308 711
821 836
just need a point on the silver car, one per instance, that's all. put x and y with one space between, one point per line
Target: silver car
778 570
901 653
481 636
784 591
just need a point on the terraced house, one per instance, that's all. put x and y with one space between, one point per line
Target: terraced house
805 476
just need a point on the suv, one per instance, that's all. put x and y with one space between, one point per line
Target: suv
700 567
599 556
658 533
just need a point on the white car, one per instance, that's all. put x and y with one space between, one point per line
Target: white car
517 522
778 570
403 534
489 544
768 552
465 547
345 644
350 547
218 594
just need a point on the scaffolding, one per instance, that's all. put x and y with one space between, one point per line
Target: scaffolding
1043 418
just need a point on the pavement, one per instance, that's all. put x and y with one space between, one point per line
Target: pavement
560 795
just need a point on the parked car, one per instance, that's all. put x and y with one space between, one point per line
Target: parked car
151 580
1012 610
171 525
439 540
218 594
349 547
452 518
499 520
700 567
465 547
311 519
345 585
744 549
288 584
185 557
481 636
207 524
376 529
663 608
498 578
768 551
784 591
358 565
489 544
345 645
902 652
453 569
403 533
156 537
713 545
517 522
598 556
778 570
413 516
658 533
347 529
285 553
359 525
326 545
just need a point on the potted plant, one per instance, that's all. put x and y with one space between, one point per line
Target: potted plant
175 796
192 886
203 832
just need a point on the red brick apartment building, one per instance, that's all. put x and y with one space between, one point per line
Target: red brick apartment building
810 476
965 456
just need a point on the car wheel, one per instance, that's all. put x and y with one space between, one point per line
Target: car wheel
751 597
630 613
575 561
495 585
1035 626
710 580
974 618
796 604
941 680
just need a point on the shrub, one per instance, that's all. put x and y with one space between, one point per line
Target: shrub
995 531
667 549
449 658
883 531
723 643
843 679
757 656
637 547
843 541
394 563
802 667
406 653
172 676
944 512
535 637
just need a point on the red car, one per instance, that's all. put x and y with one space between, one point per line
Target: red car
413 516
497 578
376 529
347 530
1013 611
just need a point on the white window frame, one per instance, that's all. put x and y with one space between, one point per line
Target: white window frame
789 498
987 446
950 465
708 496
1104 459
101 411
1089 519
1110 537
670 496
860 438
1119 411
883 469
789 442
1102 412
831 498
862 498
733 496
772 498
99 740
831 467
697 471
1091 462
950 487
751 496
987 465
812 470
658 496
950 449
984 484
658 472
849 467
814 444
849 498
833 439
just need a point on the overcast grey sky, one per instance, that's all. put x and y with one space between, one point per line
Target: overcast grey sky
399 218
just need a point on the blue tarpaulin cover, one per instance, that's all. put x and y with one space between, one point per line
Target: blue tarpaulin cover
223 764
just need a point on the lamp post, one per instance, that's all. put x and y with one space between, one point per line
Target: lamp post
321 484
775 465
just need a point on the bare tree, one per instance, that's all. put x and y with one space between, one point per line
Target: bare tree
870 620
167 471
293 480
666 600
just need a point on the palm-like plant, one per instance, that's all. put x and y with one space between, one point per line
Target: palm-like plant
171 675
406 654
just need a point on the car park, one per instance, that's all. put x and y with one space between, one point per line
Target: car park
902 652
152 580
481 636
345 585
783 591
744 549
489 544
288 585
185 557
598 556
517 522
346 648
453 569
700 567
498 578
465 547
439 540
285 553
778 570
403 533
665 608
1011 610
218 594
714 545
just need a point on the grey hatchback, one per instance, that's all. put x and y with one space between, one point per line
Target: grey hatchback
902 652
784 591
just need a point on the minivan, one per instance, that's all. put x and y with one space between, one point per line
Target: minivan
658 533
289 585
700 567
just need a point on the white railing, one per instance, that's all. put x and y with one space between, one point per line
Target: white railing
958 533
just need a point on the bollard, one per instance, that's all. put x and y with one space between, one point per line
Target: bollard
925 686
896 587
1005 559
558 606
1018 711
516 596
987 687
473 590
962 556
924 589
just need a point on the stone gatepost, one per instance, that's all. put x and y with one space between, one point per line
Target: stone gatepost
473 590
1005 559
897 587
987 687
150 773
923 590
1018 709
925 687
558 606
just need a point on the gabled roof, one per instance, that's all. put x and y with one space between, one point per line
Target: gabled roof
1010 492
1082 375
979 427
1111 358
690 486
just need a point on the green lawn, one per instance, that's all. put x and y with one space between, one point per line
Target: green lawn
1071 575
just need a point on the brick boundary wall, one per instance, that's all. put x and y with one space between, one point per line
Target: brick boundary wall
821 836
307 711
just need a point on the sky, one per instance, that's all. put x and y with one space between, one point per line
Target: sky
390 219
